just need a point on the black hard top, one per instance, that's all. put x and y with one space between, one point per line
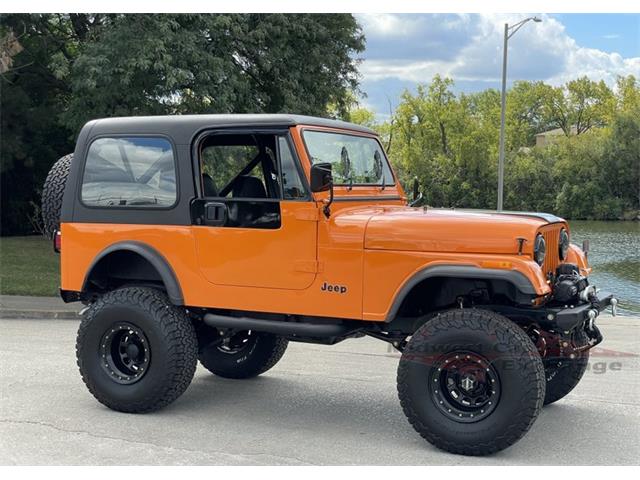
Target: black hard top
183 127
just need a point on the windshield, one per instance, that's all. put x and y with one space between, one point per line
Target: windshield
354 160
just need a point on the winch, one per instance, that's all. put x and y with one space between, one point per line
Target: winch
570 287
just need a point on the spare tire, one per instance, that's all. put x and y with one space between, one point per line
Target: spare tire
52 194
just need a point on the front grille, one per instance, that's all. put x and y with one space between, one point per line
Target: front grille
551 234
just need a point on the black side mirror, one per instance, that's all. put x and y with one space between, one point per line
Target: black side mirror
417 195
321 181
321 177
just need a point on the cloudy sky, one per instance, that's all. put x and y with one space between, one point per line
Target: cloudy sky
406 49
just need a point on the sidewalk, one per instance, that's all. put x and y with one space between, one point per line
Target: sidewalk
15 306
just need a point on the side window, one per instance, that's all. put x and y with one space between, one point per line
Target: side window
292 185
239 166
129 172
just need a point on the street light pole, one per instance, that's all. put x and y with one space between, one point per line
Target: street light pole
503 101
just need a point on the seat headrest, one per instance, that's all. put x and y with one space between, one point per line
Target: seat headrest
249 187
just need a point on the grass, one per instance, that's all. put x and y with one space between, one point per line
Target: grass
28 266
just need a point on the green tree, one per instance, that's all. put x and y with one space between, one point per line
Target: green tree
525 116
628 94
216 63
581 104
75 67
450 143
621 160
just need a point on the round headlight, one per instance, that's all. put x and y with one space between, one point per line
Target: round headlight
539 249
563 244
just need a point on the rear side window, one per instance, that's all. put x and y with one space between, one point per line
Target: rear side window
130 172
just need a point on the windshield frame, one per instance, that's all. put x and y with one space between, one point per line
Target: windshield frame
349 133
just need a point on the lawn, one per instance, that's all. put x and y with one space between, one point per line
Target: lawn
28 266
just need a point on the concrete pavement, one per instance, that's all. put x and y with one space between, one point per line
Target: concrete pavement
319 405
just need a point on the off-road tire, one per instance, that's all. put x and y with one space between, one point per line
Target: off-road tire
261 355
564 378
512 355
52 193
172 344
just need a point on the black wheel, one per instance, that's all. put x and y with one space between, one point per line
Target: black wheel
245 354
563 374
471 382
136 352
52 193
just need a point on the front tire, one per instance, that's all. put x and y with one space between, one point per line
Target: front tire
136 351
245 354
564 374
471 382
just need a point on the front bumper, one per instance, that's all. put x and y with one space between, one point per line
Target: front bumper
565 320
569 317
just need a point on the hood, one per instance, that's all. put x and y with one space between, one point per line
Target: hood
456 231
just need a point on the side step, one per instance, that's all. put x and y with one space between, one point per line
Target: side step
278 327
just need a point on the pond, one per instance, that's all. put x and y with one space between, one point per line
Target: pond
614 255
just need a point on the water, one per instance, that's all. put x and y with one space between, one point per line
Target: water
614 254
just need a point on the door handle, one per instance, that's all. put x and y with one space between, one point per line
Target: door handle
215 214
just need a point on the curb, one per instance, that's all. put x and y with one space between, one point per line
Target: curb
37 315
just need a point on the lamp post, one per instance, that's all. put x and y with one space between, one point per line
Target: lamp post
509 31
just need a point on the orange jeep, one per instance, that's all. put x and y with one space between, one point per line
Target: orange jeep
220 238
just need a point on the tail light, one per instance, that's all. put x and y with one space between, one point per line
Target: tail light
57 241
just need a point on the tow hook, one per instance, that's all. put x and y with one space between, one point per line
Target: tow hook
591 319
587 294
592 331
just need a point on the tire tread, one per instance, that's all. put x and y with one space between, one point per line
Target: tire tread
490 323
53 192
174 325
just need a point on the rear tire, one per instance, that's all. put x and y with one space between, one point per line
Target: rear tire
471 382
135 350
246 354
52 193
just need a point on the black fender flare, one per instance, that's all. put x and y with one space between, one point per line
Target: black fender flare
521 282
155 258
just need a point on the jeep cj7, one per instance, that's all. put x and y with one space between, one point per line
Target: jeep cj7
221 238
